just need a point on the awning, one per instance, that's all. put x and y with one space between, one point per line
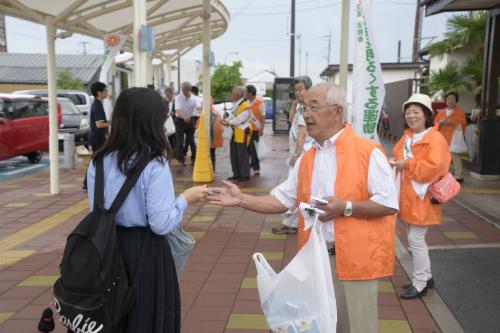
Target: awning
177 23
438 6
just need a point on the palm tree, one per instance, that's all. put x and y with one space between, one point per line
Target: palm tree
464 31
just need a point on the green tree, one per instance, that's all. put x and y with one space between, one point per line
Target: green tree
225 77
463 32
66 81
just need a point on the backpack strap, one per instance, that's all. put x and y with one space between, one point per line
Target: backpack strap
127 186
99 185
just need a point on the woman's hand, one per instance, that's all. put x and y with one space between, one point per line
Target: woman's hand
229 195
195 193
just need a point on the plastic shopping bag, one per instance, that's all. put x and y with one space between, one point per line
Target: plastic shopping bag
457 144
301 297
181 245
262 150
169 126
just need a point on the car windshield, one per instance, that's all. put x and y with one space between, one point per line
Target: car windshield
68 108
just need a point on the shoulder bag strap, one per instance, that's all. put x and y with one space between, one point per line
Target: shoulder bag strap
126 187
99 185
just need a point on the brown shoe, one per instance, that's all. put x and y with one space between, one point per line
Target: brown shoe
284 230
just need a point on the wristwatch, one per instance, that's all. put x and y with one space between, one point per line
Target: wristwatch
348 208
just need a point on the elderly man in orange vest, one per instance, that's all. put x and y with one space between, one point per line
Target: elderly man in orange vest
354 176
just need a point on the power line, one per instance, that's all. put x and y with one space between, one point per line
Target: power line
275 6
288 12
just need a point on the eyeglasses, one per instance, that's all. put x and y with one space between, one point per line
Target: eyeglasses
314 107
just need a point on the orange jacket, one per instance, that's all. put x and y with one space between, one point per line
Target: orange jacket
431 160
257 114
457 116
217 139
365 249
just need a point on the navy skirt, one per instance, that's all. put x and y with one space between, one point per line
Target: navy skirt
158 306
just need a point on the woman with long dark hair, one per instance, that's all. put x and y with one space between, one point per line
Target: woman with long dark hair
138 136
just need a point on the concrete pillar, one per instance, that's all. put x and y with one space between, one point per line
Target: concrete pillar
344 45
140 57
53 122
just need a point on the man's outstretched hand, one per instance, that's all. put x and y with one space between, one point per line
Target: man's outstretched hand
229 195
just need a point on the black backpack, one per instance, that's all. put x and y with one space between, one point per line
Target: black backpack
94 293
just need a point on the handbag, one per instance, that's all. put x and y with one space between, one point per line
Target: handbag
444 189
181 245
169 126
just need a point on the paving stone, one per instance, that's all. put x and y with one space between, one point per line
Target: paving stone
4 316
393 326
247 321
385 287
249 283
461 235
39 280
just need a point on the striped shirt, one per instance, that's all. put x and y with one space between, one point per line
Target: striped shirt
381 186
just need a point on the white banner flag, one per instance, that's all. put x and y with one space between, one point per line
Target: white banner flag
368 85
113 42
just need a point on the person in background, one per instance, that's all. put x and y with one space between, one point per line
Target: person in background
354 176
216 131
257 118
138 136
298 141
170 107
447 121
98 122
185 109
238 146
422 155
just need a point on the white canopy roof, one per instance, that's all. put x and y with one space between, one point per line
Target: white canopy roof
177 23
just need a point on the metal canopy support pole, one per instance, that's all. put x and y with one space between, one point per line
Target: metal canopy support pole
344 45
203 171
140 57
53 122
169 70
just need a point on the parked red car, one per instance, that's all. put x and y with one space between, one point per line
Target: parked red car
24 126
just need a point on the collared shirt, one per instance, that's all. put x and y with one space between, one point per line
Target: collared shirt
199 103
186 105
381 186
242 119
151 201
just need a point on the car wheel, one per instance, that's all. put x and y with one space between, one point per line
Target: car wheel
35 157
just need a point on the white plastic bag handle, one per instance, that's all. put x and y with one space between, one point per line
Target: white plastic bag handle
260 261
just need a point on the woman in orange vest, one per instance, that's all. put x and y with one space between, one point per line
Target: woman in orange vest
422 156
216 131
447 121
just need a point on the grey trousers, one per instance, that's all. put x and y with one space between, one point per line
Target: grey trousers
357 304
238 152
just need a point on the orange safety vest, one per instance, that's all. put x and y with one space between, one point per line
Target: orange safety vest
365 248
431 160
457 116
257 114
240 135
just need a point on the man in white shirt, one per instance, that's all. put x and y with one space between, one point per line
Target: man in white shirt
185 108
170 108
354 176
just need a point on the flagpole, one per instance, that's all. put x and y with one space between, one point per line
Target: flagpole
344 45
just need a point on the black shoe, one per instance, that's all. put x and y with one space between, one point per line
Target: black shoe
412 292
244 179
233 178
430 284
84 187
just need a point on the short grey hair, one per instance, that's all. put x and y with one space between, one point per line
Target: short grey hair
306 80
186 84
335 95
239 90
169 90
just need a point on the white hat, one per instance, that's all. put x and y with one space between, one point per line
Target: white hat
420 99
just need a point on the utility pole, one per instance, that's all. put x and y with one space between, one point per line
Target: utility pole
344 44
299 37
329 47
84 44
417 32
3 35
292 42
399 51
307 60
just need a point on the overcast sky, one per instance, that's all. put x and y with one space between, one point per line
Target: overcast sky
259 32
